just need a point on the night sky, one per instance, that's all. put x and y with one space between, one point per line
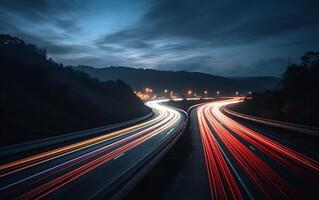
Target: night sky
231 38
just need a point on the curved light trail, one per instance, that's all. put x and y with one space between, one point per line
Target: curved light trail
220 133
24 163
221 179
39 175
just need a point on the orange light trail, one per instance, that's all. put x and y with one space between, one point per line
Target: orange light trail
166 119
43 190
15 166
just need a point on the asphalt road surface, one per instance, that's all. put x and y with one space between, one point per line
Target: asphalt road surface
232 158
245 163
86 169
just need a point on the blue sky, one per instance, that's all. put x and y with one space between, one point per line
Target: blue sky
223 37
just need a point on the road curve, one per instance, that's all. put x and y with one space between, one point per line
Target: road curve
242 163
86 169
314 131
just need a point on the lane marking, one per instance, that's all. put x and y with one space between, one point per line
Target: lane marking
118 156
169 131
54 167
57 166
252 148
230 164
250 196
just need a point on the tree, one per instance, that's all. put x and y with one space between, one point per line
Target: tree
310 58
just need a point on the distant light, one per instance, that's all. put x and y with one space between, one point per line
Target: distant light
205 91
165 90
190 99
177 99
237 93
249 92
189 92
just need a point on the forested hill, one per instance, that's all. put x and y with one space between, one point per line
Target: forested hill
41 98
180 81
296 101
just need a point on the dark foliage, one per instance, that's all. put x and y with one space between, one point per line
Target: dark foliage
40 98
296 101
180 81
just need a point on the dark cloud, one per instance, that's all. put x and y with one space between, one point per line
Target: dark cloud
67 24
270 67
55 13
261 67
226 37
38 9
52 48
186 29
220 22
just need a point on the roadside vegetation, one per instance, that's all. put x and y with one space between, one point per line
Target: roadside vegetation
41 98
297 99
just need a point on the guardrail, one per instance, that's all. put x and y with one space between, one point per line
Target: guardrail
132 176
314 131
27 146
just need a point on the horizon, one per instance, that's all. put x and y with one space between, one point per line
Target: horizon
220 38
172 70
159 99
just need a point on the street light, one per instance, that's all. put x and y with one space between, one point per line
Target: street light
165 90
189 92
205 91
237 93
217 93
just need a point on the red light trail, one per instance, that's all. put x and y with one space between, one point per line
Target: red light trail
220 177
215 126
41 184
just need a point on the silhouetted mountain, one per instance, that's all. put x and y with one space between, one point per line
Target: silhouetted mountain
41 98
296 101
180 81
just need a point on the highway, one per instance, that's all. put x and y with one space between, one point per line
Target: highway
245 163
94 168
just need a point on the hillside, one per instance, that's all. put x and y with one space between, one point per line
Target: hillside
40 98
296 101
180 81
